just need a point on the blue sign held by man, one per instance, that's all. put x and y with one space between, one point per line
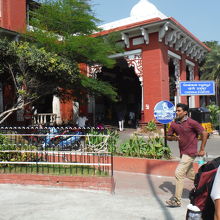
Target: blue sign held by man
164 112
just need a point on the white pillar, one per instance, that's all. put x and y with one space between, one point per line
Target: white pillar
75 111
92 72
191 78
142 93
177 75
56 109
91 107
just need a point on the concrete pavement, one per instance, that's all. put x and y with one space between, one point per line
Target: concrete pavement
137 197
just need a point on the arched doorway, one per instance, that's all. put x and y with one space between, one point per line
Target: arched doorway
129 91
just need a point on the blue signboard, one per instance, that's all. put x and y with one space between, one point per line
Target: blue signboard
164 112
188 88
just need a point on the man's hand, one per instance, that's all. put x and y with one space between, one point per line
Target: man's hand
176 138
201 153
217 209
204 136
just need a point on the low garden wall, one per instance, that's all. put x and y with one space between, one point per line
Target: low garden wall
80 182
146 166
136 146
125 164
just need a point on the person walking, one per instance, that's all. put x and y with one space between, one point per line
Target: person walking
121 112
186 131
81 120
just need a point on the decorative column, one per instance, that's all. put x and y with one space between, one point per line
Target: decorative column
92 72
177 76
191 78
56 109
136 62
191 72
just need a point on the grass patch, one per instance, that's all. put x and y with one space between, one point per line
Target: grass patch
61 170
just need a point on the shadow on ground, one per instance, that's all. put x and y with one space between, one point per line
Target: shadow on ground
170 187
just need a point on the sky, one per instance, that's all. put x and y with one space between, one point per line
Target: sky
200 17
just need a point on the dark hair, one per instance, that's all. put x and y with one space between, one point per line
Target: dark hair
183 106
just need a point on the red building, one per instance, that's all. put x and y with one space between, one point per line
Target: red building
159 52
13 14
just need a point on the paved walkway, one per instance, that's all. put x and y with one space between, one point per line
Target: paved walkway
137 197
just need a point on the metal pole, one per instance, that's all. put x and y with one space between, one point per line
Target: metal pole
165 134
93 105
216 92
112 168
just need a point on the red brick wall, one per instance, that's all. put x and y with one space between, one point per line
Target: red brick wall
156 72
196 72
147 166
66 109
183 75
14 15
96 183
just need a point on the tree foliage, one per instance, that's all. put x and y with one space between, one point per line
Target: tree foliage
60 39
33 72
67 30
65 17
210 67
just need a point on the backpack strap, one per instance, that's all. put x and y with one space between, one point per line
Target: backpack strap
210 165
216 162
195 192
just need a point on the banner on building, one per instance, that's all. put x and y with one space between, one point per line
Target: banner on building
191 88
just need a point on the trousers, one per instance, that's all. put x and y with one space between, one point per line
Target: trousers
184 169
121 125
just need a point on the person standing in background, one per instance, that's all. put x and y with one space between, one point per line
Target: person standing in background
121 112
81 121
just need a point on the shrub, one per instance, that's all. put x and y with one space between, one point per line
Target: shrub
214 112
97 141
150 148
151 126
5 145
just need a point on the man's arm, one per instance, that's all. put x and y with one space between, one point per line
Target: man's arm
170 134
172 138
204 137
217 209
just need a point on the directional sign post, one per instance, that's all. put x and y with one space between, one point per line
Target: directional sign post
188 88
164 112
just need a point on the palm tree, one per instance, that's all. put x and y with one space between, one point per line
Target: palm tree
210 68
